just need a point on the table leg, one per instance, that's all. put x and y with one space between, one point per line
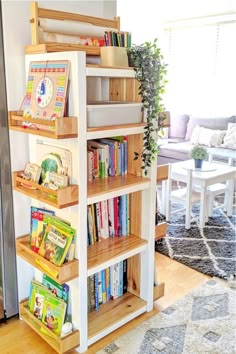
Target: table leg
203 207
230 197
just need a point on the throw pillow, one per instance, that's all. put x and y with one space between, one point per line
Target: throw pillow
178 125
210 123
195 135
208 137
211 137
230 137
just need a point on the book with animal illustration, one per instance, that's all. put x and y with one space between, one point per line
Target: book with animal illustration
53 159
38 226
56 241
54 310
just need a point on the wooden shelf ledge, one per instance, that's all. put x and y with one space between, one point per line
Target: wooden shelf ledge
158 291
61 128
61 198
160 231
110 187
162 173
62 274
60 345
113 315
113 250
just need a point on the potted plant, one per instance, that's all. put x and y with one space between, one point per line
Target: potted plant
198 153
150 72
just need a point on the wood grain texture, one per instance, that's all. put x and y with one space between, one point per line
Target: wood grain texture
179 280
107 249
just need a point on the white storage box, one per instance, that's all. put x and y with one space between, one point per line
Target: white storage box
113 113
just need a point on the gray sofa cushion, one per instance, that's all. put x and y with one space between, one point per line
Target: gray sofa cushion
178 125
211 123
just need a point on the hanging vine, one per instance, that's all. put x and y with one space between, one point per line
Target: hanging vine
150 72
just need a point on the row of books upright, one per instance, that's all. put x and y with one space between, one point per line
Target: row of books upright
107 285
107 157
108 218
118 39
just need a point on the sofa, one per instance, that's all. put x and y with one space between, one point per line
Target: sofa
218 134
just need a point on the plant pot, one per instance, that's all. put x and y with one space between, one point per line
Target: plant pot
198 163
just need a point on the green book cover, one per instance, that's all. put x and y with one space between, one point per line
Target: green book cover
54 310
36 298
56 242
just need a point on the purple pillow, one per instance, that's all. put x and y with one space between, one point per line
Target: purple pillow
178 125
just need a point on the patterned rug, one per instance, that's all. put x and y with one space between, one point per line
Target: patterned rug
211 250
202 322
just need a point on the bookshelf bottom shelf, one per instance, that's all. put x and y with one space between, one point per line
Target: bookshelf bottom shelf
113 315
60 345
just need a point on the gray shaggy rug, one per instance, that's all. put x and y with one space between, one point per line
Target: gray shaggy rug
201 322
211 250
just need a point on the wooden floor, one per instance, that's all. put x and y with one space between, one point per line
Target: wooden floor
17 337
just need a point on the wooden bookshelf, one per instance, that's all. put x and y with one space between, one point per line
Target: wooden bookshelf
61 198
62 274
61 128
60 345
113 250
111 315
160 230
110 187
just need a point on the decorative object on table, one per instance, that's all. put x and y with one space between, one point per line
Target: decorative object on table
200 322
150 72
46 91
198 153
210 250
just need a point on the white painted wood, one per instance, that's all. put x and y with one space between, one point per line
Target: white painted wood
98 134
148 232
110 72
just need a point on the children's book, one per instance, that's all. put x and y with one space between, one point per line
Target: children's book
38 226
54 311
53 158
60 290
56 241
36 298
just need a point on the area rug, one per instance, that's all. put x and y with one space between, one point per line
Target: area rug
211 250
202 322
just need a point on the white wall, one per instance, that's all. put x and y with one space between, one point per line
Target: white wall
146 18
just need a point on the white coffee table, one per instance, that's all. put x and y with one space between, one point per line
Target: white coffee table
210 173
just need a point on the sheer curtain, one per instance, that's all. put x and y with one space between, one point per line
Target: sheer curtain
201 68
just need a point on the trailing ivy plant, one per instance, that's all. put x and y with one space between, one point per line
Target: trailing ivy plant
150 72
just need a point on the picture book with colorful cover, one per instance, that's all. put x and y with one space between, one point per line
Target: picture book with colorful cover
46 91
54 310
36 298
38 226
56 241
53 158
60 290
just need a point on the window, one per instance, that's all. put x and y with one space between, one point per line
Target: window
201 62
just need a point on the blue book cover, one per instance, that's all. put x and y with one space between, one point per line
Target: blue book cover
96 291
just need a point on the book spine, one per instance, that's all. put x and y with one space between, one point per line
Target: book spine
125 278
104 293
96 294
